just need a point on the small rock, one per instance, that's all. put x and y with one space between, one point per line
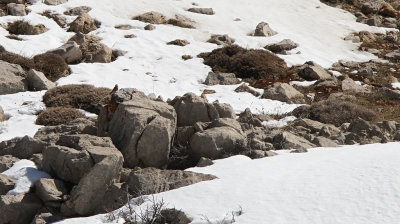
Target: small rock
258 154
312 71
186 57
50 190
264 30
54 2
37 81
12 78
245 88
178 42
218 78
83 24
348 85
16 9
206 11
6 162
324 142
70 51
394 55
203 162
124 27
150 27
287 140
224 40
77 11
283 92
6 184
282 47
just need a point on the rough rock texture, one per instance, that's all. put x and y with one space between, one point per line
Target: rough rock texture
50 190
316 126
151 180
92 49
6 162
264 30
19 208
16 9
142 129
206 11
83 24
70 51
21 147
12 78
77 11
217 78
313 71
223 40
54 2
283 92
282 46
37 81
214 142
245 88
287 140
179 42
191 109
151 17
6 184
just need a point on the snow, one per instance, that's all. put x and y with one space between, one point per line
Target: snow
26 174
279 123
302 83
351 184
396 85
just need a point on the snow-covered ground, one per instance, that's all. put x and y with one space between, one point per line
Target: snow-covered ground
350 184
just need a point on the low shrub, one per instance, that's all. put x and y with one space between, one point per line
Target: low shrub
86 97
258 64
24 28
58 115
52 65
334 112
12 58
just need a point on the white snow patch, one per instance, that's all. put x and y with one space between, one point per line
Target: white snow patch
396 85
279 123
302 83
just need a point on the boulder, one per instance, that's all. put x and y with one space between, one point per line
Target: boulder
50 191
92 49
6 162
258 154
21 147
359 126
282 46
218 78
54 2
70 51
263 30
77 11
283 92
19 208
51 134
324 142
151 17
37 81
6 184
312 71
12 1
223 40
371 7
12 78
152 181
203 162
183 135
83 24
205 11
287 140
215 142
89 193
191 109
349 86
142 129
16 9
46 217
316 126
245 88
149 27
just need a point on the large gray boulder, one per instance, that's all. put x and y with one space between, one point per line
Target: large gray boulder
287 140
282 46
37 81
21 147
142 129
205 11
191 109
19 208
12 78
316 126
70 51
152 181
312 71
83 24
92 49
16 9
217 78
283 92
151 17
77 11
263 29
215 142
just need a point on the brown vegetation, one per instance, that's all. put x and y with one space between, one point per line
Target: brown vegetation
58 115
24 28
52 65
86 97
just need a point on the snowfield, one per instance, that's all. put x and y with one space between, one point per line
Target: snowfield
350 184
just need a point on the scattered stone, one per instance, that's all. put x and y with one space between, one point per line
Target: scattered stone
124 27
172 215
77 11
92 49
37 81
54 2
178 42
312 71
59 19
287 140
6 184
258 154
21 147
186 57
282 47
217 78
19 208
12 78
70 51
394 55
316 126
324 142
224 40
203 162
181 21
47 217
348 85
16 9
130 36
83 24
152 181
151 17
50 191
205 11
6 162
245 88
150 27
264 30
283 92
